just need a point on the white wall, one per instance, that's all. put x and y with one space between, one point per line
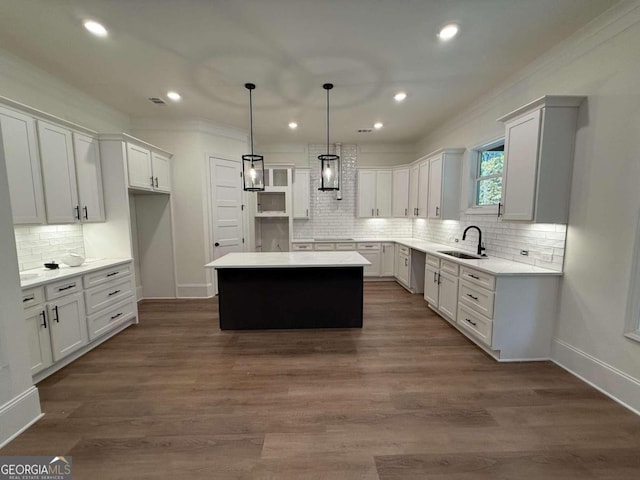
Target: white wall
602 62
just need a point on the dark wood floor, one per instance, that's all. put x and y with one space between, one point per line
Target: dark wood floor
405 398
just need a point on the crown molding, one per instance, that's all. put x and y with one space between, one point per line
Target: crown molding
187 125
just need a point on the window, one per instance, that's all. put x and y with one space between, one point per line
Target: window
490 163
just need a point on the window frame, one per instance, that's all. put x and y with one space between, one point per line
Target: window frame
474 171
632 327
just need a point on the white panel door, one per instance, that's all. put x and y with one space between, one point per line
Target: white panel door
435 188
301 193
38 339
59 173
23 166
226 188
139 167
423 189
521 167
366 193
68 322
161 169
384 190
448 296
387 261
88 168
401 193
431 285
402 268
414 174
372 270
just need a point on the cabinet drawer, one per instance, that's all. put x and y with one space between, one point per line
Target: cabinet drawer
404 250
368 246
32 297
476 324
449 267
108 294
479 278
62 288
345 246
302 246
106 275
323 247
477 298
109 319
432 261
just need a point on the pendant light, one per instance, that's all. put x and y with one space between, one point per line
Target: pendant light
252 165
329 164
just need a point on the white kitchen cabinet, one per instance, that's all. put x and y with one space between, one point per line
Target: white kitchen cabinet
19 141
441 286
400 202
139 167
301 193
423 189
539 150
68 322
374 193
414 185
38 338
59 173
161 169
387 260
89 173
444 184
373 256
403 265
448 295
431 287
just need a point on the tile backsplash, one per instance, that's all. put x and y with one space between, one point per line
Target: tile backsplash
38 244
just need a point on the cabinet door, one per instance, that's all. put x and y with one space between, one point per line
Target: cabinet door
366 193
435 188
301 193
87 153
161 169
139 167
59 173
23 166
372 270
431 286
423 189
68 325
384 185
402 268
387 261
520 167
38 339
401 193
448 296
414 178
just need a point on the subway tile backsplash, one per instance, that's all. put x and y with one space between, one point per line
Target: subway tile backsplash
38 244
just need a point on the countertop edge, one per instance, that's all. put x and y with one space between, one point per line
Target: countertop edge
70 272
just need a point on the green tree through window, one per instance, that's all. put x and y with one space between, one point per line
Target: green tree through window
489 176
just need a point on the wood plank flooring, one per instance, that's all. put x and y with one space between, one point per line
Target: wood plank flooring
407 397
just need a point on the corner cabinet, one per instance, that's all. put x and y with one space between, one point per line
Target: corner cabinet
148 168
301 193
374 193
539 151
400 202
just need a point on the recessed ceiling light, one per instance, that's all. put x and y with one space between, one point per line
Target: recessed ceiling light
96 28
448 32
378 125
293 125
175 96
400 96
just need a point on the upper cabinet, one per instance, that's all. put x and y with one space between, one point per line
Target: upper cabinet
539 150
301 192
89 172
400 203
19 142
148 169
413 187
444 184
374 193
161 169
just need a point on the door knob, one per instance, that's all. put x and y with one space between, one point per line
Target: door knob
216 244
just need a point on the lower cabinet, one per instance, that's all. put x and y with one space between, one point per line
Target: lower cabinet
403 265
38 338
68 323
387 260
441 286
448 296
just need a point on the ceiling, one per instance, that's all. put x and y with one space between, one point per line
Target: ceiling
370 49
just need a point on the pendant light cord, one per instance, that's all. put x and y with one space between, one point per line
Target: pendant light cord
251 121
327 121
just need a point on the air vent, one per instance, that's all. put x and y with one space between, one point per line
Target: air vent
157 101
365 130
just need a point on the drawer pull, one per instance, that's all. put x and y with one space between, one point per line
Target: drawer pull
62 289
28 299
44 319
471 296
116 316
56 318
472 323
474 276
112 274
114 292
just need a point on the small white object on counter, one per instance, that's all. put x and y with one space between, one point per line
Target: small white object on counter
289 260
72 259
40 276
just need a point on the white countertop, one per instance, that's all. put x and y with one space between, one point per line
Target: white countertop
45 275
289 260
491 265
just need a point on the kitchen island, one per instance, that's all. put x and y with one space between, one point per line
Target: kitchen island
287 290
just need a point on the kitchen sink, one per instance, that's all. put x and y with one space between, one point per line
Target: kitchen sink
465 256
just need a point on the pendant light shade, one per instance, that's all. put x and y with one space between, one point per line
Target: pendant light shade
329 164
252 165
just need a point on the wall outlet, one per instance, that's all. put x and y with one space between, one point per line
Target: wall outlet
524 252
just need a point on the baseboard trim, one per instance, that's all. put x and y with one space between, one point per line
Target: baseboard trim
614 383
19 414
195 290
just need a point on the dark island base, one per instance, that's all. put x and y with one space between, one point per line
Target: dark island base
277 298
